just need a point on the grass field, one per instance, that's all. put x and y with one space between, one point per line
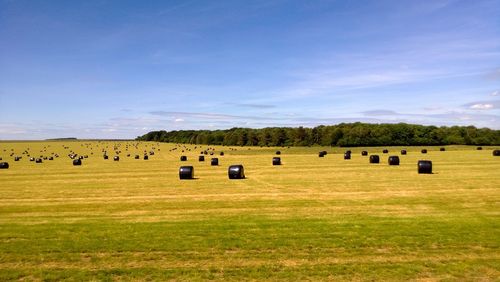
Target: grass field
309 219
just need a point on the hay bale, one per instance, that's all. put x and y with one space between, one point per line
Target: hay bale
347 156
136 157
146 157
236 172
77 162
385 151
424 151
214 162
51 158
496 153
442 149
186 172
364 153
278 152
322 154
32 159
276 161
221 153
116 158
403 152
4 165
201 158
424 167
38 161
374 159
393 160
105 157
479 148
184 158
16 159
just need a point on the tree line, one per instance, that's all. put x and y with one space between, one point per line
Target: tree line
343 135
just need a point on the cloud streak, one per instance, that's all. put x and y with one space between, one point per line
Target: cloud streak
483 105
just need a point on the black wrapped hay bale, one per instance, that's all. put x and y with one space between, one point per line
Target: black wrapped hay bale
364 153
136 157
146 157
116 158
236 172
424 167
424 151
105 157
385 151
184 158
278 152
403 152
322 154
496 153
442 149
38 161
186 172
214 162
201 158
16 159
4 165
374 159
347 156
32 159
393 160
77 162
221 153
276 161
479 148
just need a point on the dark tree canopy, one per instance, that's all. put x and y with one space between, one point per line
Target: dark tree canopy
343 135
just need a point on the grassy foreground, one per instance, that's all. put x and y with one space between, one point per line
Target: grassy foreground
309 219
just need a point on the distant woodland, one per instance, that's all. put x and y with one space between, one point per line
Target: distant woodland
343 135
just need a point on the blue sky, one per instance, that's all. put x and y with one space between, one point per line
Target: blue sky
118 69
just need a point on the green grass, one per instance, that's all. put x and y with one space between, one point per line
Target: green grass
310 219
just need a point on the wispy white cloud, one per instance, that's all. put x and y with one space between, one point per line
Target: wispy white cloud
483 105
251 105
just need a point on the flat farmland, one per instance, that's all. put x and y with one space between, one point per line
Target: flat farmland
309 219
